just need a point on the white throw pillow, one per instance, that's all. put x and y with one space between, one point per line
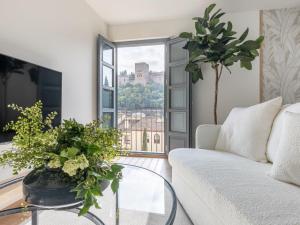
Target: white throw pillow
275 134
286 166
245 132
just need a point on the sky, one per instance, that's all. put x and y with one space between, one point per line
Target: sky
154 55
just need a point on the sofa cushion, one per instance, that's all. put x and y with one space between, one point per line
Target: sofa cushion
286 166
236 189
246 131
276 130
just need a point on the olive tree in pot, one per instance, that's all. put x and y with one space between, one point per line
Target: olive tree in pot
214 42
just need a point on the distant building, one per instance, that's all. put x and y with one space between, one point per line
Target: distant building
157 77
131 77
133 126
142 75
123 78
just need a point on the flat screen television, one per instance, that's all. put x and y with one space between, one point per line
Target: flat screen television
24 83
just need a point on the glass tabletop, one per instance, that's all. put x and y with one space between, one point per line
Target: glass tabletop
144 198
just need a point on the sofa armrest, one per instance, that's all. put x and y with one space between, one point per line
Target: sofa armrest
206 136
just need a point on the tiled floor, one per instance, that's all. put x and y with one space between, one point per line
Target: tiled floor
162 167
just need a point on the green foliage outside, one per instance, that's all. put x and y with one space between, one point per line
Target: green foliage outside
82 152
137 96
214 42
144 143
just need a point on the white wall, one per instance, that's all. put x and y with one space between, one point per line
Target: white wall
149 30
241 88
59 34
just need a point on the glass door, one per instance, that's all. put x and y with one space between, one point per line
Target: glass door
144 90
178 95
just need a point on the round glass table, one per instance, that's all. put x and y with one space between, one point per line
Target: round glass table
143 198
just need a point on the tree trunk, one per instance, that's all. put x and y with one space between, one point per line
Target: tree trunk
216 94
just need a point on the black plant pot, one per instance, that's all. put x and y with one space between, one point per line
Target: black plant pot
48 188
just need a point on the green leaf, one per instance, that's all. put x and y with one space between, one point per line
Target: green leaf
245 58
69 153
195 54
229 26
191 45
208 10
96 190
246 64
232 44
186 35
199 28
250 45
116 168
87 203
225 40
115 185
260 39
92 149
196 75
214 22
72 152
95 174
254 52
229 61
84 210
195 71
196 18
191 67
216 13
217 30
64 153
220 15
229 33
244 35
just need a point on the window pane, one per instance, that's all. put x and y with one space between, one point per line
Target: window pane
177 142
108 99
177 75
178 121
108 54
178 97
108 119
177 52
107 77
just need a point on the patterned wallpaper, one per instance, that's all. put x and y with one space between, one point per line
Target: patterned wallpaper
280 72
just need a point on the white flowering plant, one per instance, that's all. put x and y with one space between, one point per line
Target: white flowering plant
83 153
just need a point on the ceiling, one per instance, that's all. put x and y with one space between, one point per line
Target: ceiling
133 11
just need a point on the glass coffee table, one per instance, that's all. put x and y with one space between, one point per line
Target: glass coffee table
143 198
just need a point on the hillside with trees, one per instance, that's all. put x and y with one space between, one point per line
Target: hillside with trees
137 96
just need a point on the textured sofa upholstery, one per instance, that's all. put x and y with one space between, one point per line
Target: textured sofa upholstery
219 188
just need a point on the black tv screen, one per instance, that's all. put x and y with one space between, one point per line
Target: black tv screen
24 83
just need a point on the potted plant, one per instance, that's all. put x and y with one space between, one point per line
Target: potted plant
71 163
214 42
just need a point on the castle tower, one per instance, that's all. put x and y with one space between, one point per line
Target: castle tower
141 73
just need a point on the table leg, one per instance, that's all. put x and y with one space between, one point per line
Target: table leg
117 208
34 217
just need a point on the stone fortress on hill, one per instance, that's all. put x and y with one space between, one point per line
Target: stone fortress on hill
142 75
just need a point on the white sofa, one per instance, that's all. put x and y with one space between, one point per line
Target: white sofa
219 188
